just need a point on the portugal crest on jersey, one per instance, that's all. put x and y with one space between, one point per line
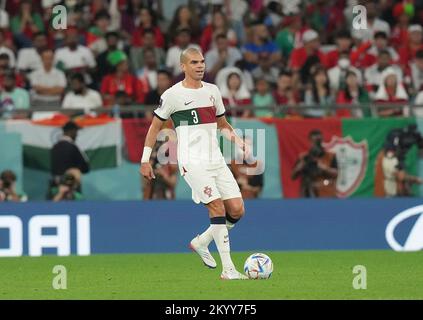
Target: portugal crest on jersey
352 158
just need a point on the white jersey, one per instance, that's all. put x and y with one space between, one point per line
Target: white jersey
194 113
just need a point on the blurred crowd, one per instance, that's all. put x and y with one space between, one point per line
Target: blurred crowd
260 53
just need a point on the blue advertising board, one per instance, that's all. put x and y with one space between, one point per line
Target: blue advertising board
87 227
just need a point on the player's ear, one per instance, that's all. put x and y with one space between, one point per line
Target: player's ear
182 67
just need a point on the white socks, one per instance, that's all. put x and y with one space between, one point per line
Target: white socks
221 238
206 237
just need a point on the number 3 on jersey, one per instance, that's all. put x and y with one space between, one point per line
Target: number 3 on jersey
194 116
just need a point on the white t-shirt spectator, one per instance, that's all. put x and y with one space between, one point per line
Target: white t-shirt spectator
29 59
173 58
79 58
53 78
212 56
12 60
91 99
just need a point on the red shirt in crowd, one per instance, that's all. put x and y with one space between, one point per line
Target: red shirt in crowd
299 57
138 37
128 83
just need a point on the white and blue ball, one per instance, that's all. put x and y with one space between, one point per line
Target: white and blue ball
258 266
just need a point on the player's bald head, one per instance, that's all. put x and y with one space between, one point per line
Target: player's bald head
188 53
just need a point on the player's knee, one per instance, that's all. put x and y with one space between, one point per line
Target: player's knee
237 211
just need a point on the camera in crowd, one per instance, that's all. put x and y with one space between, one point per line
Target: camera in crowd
310 168
402 140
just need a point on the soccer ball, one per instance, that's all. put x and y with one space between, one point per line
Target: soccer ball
258 266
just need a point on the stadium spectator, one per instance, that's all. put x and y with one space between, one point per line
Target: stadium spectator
373 74
68 187
235 94
354 94
397 182
317 169
103 66
5 48
74 57
164 82
219 25
324 16
25 24
286 94
265 70
318 93
290 36
415 74
121 80
47 83
66 155
29 59
148 73
95 35
343 46
263 99
184 18
147 21
81 97
381 42
13 97
374 23
221 56
137 53
415 43
183 41
5 66
8 188
402 18
304 58
235 11
337 74
261 43
391 91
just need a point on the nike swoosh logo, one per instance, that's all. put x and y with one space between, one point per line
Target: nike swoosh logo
187 103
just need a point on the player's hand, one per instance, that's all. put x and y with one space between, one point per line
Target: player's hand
247 151
147 171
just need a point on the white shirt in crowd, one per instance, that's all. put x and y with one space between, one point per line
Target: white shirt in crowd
368 33
78 58
29 59
4 19
212 56
90 100
173 58
53 78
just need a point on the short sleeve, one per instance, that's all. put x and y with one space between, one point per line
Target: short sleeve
220 107
165 109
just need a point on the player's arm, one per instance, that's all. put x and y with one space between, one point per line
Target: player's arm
229 133
146 170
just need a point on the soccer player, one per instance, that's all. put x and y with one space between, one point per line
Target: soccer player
197 111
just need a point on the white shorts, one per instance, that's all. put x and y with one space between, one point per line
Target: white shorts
210 184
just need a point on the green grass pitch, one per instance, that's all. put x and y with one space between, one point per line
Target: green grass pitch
297 275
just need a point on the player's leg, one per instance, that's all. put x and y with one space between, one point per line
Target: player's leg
234 208
231 195
204 190
221 238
